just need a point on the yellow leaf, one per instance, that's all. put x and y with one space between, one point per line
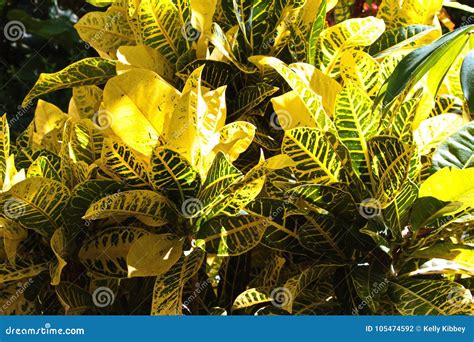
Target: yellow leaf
182 133
451 185
144 57
153 255
201 18
434 130
106 31
320 83
138 104
409 12
291 112
48 123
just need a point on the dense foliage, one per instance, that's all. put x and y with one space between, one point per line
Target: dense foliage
247 157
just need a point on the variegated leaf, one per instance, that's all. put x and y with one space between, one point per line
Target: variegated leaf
36 203
149 207
315 159
169 287
58 245
105 252
88 71
429 297
173 174
227 235
121 162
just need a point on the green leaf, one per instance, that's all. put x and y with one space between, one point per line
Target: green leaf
281 228
252 96
335 199
427 297
370 283
82 196
457 151
426 210
398 39
88 71
467 79
437 57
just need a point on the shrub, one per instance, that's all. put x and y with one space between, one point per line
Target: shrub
247 158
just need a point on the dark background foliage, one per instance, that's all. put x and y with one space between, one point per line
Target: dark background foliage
51 43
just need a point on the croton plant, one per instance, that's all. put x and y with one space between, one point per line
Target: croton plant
247 157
